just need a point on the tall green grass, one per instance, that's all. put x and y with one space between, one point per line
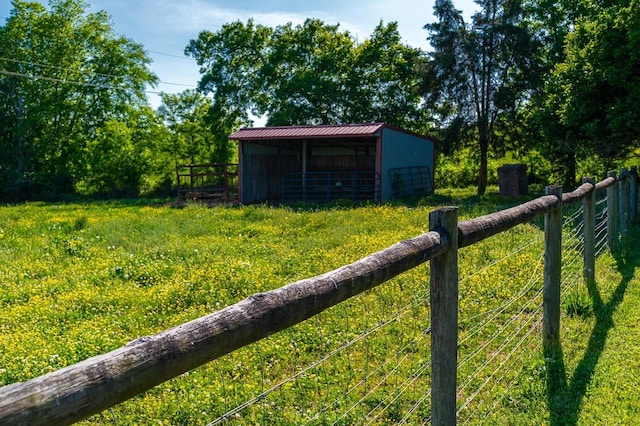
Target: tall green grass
78 280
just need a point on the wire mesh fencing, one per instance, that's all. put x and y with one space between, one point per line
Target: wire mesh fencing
363 361
367 361
366 358
379 364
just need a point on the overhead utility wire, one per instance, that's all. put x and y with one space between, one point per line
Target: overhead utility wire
80 83
57 80
95 73
177 84
185 57
17 61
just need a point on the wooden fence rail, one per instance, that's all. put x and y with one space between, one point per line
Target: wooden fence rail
88 387
80 390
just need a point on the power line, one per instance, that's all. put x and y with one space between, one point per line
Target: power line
177 84
69 69
172 55
79 83
17 61
57 80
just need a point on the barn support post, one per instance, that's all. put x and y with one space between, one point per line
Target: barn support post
633 196
178 181
612 213
623 199
552 272
304 170
589 232
444 319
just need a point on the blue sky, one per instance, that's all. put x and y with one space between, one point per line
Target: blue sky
165 27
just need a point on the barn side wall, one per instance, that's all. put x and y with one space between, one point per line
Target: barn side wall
401 149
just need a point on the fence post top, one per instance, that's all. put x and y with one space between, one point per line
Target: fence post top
611 173
445 209
557 191
445 221
589 179
446 213
553 190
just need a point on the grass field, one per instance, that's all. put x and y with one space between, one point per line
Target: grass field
79 280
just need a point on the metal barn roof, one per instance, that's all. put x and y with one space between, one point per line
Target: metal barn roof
299 132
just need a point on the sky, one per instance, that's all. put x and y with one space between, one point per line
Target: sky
164 27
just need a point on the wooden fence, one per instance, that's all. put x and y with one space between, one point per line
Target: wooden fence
88 387
207 182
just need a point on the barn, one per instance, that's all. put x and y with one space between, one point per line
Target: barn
372 161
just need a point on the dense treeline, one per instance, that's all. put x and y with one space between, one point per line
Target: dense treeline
554 84
74 115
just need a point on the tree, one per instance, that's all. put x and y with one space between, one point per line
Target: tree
125 157
554 21
308 74
192 138
481 72
387 84
63 75
595 88
585 110
114 162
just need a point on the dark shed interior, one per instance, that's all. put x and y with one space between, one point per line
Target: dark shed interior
334 168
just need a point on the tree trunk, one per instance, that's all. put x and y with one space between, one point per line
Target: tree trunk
482 178
20 154
569 179
484 149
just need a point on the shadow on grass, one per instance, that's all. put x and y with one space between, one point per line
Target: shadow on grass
564 397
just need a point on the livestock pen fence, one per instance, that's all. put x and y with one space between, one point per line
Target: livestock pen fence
435 359
215 181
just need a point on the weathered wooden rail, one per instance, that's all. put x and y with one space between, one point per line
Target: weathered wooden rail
88 387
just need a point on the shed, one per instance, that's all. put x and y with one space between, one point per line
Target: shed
373 161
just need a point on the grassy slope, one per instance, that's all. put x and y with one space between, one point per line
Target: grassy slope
596 376
601 353
80 280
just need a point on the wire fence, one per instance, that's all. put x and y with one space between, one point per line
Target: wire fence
363 361
367 361
369 358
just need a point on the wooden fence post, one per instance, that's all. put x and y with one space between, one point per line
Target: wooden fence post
589 232
552 272
623 199
612 213
633 189
444 320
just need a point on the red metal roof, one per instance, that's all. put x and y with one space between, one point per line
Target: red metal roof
299 132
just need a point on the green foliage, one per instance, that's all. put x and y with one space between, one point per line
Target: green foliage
599 80
65 73
578 304
312 73
460 168
193 140
114 161
480 73
585 108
